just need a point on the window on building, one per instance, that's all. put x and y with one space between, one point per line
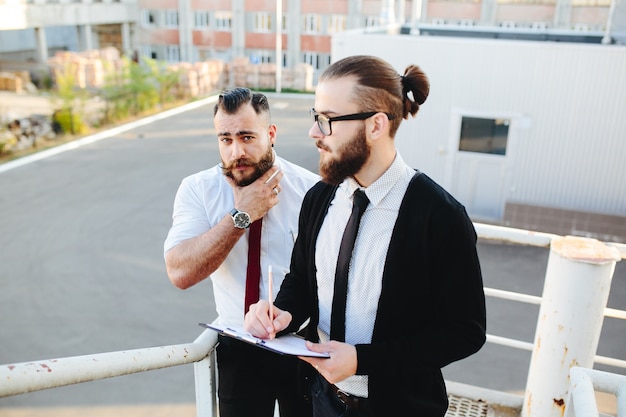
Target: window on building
317 61
222 54
262 22
336 23
170 18
172 53
149 51
592 3
284 27
484 135
260 56
201 19
312 23
149 17
223 20
536 2
371 21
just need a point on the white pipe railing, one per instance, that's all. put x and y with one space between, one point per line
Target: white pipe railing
26 377
575 293
39 375
512 235
533 299
583 385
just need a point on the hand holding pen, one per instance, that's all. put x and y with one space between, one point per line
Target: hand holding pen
264 319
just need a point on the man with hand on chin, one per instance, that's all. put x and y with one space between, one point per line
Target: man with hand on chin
405 297
217 214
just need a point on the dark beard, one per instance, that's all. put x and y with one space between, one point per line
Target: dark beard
260 168
352 157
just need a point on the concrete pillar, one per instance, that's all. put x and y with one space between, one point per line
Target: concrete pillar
575 294
423 11
562 14
185 31
279 45
401 15
388 12
488 11
85 37
355 14
42 45
293 33
238 29
126 42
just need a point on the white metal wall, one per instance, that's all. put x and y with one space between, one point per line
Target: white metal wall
569 147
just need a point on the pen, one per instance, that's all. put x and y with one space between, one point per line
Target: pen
271 286
273 175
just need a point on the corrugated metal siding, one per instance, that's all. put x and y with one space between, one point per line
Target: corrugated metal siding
573 154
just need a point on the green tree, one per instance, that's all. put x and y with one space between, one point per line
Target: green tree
165 78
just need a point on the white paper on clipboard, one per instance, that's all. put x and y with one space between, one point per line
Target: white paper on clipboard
288 344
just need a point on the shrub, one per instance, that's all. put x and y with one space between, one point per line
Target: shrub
70 122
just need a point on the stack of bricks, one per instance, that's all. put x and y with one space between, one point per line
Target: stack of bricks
263 76
87 68
14 81
187 80
200 78
210 75
298 78
238 70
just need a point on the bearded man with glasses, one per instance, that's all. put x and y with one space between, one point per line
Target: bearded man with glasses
404 296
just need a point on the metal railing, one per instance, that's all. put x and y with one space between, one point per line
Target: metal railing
39 375
583 385
530 238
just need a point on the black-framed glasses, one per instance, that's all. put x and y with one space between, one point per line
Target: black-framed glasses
324 122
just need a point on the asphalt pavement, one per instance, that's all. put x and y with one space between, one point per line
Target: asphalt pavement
82 270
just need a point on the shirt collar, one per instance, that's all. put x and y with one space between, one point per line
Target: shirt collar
381 187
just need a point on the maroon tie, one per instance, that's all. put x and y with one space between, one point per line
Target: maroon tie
253 274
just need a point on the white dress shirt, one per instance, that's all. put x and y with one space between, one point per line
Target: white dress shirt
368 257
202 201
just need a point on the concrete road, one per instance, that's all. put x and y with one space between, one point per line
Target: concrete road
82 270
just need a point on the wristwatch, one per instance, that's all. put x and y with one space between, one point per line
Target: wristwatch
241 219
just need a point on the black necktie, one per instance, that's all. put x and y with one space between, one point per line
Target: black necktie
338 313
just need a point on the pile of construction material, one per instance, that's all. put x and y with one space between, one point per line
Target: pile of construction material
15 81
241 72
200 78
26 132
88 68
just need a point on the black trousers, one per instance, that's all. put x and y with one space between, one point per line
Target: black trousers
251 379
326 403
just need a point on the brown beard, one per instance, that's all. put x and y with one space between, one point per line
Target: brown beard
260 168
352 157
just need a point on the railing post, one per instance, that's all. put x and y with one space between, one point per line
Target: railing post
206 387
575 294
582 396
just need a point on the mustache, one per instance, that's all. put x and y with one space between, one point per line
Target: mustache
321 145
236 163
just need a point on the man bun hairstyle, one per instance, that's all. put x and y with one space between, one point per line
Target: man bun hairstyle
414 81
379 87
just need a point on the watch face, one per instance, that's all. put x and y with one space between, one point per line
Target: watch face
241 219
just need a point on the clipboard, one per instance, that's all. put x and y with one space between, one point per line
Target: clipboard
289 344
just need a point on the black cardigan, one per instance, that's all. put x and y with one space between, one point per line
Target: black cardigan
431 310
